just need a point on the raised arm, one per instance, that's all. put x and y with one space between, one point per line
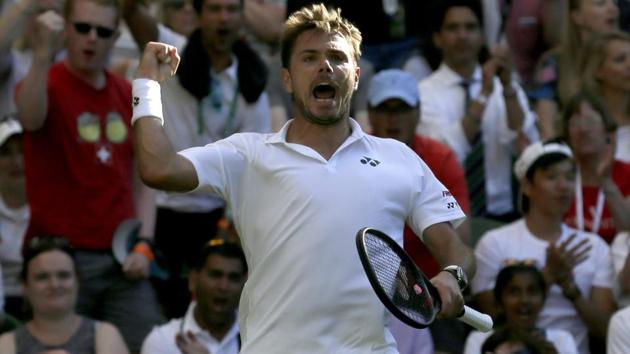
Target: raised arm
12 25
159 164
142 25
47 40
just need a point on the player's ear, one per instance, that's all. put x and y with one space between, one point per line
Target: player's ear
287 82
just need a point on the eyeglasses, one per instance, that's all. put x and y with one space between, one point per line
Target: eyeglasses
101 32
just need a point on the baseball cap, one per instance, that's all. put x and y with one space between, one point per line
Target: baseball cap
8 128
393 83
535 151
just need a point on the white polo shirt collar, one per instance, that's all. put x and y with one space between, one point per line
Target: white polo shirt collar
281 138
190 324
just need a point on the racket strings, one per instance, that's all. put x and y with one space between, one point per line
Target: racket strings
399 281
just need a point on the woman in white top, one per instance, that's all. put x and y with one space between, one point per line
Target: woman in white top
520 291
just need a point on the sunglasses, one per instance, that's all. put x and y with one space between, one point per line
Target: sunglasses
101 32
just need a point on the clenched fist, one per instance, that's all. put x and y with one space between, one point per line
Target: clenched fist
159 62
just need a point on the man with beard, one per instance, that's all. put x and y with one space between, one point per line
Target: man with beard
299 197
218 92
216 281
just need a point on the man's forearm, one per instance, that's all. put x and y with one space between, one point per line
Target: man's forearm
515 114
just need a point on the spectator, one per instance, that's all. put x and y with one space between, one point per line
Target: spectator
14 215
79 164
576 264
520 292
605 70
557 76
216 280
618 339
394 112
529 27
288 190
49 277
218 92
602 184
179 16
478 111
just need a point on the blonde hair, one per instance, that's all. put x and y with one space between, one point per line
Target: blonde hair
595 53
317 16
115 4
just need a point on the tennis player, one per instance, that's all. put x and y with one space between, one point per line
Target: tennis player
299 196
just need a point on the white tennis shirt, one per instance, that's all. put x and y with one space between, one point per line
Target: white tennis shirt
297 215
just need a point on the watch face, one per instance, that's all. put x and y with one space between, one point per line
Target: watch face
459 275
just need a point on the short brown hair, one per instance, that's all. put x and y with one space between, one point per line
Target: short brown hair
68 7
317 16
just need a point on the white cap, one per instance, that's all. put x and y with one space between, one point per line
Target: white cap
393 83
8 128
535 151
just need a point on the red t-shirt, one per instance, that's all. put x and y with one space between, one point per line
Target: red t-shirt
79 165
443 162
607 229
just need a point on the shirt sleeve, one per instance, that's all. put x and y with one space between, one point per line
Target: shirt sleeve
455 180
432 203
488 256
218 165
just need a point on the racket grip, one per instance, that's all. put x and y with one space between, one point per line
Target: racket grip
480 321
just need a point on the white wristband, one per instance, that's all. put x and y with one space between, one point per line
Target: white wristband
147 100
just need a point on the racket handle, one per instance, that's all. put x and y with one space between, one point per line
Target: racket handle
480 321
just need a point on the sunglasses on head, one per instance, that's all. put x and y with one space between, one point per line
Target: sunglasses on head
101 32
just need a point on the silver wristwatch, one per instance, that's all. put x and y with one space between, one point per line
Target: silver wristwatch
459 274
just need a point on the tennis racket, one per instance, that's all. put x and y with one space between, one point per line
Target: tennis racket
401 286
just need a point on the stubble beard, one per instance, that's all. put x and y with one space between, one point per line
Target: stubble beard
328 120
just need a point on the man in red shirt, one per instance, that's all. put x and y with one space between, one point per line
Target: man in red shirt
394 112
79 163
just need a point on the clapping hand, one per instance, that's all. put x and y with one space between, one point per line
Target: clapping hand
562 258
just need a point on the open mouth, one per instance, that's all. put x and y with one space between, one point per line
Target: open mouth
324 91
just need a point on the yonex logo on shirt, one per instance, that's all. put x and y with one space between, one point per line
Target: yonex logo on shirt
368 160
136 100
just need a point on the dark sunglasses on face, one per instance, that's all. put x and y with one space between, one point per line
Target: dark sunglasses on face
101 32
